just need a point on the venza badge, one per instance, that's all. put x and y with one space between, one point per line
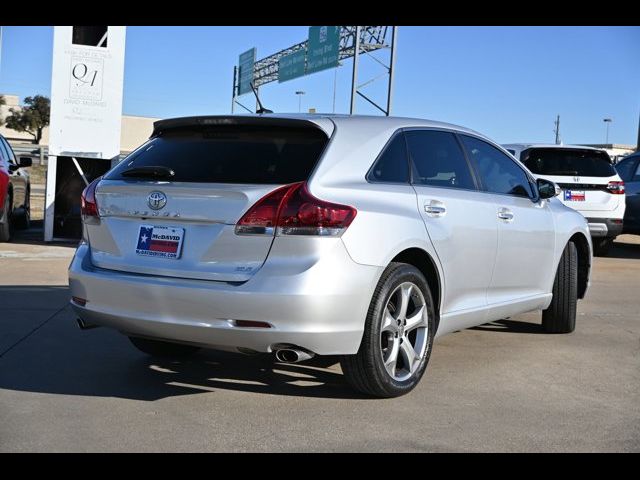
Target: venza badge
156 200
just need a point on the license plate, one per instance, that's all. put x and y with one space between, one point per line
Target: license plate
574 195
163 242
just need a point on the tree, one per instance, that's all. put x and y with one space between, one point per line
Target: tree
32 118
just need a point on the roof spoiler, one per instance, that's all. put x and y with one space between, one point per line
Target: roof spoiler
211 120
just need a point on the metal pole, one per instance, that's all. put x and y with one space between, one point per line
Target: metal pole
233 92
354 77
1 48
558 130
638 143
335 79
394 39
299 103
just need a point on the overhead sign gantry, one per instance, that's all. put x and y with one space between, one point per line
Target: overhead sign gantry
323 49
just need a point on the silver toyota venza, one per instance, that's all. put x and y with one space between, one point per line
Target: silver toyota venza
303 235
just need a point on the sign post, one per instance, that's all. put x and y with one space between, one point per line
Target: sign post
86 118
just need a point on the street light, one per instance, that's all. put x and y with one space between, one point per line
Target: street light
607 121
300 93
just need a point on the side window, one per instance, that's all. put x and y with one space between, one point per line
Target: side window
4 156
9 156
437 160
499 173
625 168
636 177
392 166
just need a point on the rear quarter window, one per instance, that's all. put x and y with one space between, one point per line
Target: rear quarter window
231 154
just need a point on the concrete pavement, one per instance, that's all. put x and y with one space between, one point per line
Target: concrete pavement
504 386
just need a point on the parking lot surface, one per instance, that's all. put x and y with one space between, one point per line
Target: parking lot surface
504 386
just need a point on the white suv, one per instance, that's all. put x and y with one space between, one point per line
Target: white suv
589 183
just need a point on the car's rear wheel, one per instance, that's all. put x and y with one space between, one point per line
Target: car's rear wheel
601 247
560 317
158 348
5 220
398 335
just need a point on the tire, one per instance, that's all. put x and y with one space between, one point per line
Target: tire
157 348
560 317
23 221
366 370
601 247
5 220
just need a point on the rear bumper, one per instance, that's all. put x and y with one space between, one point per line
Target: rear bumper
320 306
605 227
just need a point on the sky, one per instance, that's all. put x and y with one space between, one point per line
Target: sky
506 82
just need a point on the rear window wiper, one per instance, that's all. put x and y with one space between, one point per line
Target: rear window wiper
148 171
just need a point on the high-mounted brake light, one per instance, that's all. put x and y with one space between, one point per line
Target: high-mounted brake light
292 210
616 188
89 205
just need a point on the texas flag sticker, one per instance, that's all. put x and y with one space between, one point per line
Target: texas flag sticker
165 242
574 195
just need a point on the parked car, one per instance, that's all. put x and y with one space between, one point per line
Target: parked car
363 237
629 171
589 183
14 191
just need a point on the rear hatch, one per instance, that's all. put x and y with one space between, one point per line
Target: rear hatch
584 176
169 208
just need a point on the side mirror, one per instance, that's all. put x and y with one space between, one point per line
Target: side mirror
25 162
547 188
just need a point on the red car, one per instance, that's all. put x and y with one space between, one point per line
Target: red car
14 191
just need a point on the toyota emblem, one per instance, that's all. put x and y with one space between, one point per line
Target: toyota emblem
156 200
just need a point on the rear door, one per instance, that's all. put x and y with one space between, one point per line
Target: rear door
17 177
183 225
526 232
460 220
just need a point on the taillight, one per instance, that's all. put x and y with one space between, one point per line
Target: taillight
617 188
292 210
89 205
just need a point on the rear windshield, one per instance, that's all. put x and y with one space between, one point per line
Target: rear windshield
557 161
231 154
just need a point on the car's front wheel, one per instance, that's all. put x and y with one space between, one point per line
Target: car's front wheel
560 317
398 335
158 348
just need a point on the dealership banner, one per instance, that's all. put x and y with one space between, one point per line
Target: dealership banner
86 91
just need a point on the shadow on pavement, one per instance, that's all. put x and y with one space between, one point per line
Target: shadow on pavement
510 326
35 236
59 358
621 249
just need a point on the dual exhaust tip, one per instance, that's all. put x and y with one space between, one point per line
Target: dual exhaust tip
292 355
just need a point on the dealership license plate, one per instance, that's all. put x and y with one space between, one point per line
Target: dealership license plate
574 195
163 242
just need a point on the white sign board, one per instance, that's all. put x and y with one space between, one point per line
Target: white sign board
86 91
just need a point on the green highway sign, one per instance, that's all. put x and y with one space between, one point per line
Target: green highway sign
291 66
245 71
323 48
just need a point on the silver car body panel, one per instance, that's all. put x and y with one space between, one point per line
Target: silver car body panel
314 292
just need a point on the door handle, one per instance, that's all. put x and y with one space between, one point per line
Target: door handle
505 214
435 208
